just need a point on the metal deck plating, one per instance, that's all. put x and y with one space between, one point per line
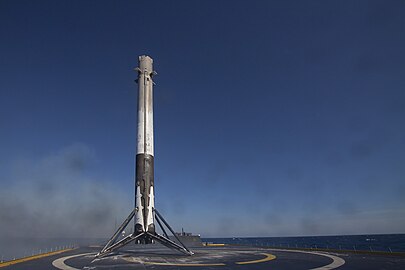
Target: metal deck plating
221 258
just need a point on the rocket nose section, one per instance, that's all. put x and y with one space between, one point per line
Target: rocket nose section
145 64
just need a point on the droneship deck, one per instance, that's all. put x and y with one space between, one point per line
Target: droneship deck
217 257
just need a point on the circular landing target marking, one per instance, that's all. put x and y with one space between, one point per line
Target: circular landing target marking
268 257
60 263
336 261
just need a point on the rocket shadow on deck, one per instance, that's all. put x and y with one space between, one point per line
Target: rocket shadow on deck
151 253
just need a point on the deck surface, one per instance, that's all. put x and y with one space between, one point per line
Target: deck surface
221 258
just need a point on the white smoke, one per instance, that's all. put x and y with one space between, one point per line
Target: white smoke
53 196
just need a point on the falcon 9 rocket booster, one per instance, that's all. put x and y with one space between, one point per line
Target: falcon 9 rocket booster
144 193
145 214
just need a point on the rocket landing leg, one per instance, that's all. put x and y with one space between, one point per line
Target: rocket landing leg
143 237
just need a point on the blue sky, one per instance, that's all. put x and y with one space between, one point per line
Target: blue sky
271 118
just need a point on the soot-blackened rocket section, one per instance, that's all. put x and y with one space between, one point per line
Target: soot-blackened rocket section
144 183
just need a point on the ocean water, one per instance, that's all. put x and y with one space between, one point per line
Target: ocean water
376 242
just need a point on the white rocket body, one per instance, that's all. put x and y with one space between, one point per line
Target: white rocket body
144 182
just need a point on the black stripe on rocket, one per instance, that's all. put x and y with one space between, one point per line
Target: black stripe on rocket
144 182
